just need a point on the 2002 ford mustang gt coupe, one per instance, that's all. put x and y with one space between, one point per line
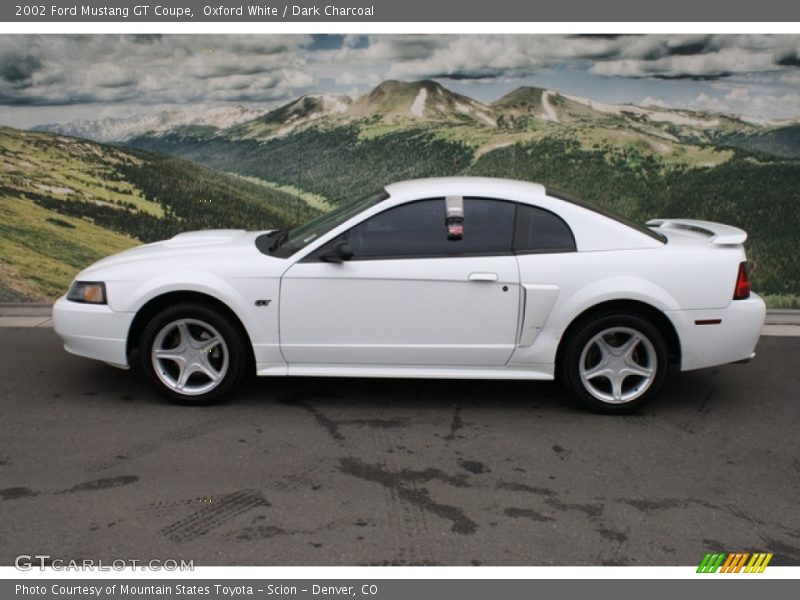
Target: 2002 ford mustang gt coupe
441 278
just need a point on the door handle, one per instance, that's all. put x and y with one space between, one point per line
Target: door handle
482 277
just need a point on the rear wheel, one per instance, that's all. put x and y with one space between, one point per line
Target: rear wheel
192 354
615 363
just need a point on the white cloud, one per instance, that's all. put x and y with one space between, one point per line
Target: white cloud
792 78
709 103
357 80
749 72
745 101
738 94
720 63
496 56
52 70
657 102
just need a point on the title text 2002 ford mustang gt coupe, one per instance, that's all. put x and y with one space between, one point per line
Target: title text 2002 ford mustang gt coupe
441 278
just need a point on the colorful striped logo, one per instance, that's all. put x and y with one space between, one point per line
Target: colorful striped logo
734 562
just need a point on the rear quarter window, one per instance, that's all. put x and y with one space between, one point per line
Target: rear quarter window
540 231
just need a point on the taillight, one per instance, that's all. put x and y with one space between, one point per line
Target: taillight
742 289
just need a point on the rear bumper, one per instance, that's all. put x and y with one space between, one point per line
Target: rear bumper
744 361
93 331
732 339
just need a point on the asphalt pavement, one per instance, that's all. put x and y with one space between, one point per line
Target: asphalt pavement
93 464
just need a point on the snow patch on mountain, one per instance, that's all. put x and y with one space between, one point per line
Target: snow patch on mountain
659 116
549 113
766 122
679 119
486 119
334 104
418 107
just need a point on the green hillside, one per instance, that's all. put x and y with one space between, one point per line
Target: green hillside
623 172
780 141
642 162
335 163
65 203
760 196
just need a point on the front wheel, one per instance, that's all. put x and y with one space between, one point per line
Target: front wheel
192 354
615 363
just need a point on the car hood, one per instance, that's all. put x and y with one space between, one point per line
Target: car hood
195 249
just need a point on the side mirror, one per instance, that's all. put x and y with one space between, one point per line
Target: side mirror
340 252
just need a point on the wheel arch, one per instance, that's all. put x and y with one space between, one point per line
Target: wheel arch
158 303
627 306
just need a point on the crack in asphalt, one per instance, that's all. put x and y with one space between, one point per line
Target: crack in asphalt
14 493
522 487
332 426
104 483
420 498
527 513
455 424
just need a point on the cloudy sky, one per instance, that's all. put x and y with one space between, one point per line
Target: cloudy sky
59 78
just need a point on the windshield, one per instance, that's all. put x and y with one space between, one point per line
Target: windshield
285 243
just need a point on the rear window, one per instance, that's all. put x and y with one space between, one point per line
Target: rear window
561 195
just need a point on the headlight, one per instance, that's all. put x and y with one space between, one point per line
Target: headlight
90 292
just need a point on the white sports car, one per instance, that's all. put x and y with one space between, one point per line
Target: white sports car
441 278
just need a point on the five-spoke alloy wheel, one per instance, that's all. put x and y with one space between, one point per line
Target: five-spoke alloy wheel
615 363
189 356
193 353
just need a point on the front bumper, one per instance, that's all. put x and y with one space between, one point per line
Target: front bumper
93 330
731 340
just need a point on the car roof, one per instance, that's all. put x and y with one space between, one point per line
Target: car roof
465 186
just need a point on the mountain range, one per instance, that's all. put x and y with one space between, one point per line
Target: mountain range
120 129
642 161
524 111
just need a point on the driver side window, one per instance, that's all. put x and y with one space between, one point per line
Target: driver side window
406 230
417 229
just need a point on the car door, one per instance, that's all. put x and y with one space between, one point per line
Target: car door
408 296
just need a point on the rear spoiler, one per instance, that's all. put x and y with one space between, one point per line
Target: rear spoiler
717 233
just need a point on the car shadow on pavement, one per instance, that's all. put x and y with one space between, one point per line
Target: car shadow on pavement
691 394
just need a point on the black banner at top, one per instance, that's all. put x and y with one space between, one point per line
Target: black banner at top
397 11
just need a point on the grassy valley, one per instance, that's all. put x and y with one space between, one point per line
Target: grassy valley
334 163
65 203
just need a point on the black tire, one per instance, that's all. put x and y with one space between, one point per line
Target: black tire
228 359
599 393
